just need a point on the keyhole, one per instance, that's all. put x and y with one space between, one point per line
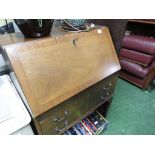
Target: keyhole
74 42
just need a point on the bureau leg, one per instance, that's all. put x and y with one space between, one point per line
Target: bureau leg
36 127
103 109
33 127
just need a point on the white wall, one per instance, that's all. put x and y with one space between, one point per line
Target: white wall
1 61
2 22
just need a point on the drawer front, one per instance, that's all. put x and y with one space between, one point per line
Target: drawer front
101 92
57 120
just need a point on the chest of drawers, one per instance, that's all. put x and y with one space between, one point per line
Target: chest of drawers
64 78
63 116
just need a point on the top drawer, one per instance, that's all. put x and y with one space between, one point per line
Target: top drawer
58 119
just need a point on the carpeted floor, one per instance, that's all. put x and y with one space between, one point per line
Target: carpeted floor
132 111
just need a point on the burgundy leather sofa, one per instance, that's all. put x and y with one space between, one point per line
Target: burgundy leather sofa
137 59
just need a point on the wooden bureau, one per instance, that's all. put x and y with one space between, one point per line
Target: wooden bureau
64 77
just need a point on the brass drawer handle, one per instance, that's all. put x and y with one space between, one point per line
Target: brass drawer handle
107 93
104 97
60 130
108 87
61 119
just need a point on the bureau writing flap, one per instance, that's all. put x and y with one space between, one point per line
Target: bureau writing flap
53 69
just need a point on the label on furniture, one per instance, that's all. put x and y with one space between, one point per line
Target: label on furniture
53 69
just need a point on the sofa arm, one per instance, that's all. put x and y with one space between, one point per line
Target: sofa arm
151 74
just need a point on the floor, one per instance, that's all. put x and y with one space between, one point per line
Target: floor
132 111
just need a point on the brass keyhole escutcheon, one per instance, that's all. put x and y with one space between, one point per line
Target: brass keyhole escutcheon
75 42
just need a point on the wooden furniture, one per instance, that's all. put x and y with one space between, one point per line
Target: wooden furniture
64 77
145 27
143 21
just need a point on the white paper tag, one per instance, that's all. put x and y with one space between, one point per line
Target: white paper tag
99 31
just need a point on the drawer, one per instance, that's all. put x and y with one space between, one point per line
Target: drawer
101 92
57 120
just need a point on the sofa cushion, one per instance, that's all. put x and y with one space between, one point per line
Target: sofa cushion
139 43
133 68
137 57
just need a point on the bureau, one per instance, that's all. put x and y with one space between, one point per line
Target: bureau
62 78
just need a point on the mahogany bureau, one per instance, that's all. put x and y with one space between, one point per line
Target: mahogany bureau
63 78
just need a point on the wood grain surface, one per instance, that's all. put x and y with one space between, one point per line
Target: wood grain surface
53 69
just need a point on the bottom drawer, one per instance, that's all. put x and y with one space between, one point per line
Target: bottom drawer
59 118
93 124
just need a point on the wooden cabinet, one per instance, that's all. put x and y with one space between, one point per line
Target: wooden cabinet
64 77
144 27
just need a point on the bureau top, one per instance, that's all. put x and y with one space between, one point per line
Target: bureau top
53 69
